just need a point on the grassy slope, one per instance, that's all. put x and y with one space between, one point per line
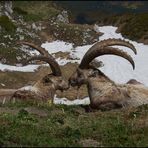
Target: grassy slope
132 26
35 10
25 124
32 11
39 13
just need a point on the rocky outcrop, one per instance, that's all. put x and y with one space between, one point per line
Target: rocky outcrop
144 38
63 17
6 8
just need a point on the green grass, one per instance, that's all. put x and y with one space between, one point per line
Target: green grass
137 26
134 24
35 10
68 125
7 24
74 33
11 54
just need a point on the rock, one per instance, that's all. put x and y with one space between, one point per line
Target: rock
6 8
96 63
63 17
35 27
144 39
3 60
120 28
96 28
89 143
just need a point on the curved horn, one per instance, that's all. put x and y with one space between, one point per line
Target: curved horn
89 56
41 50
53 64
111 42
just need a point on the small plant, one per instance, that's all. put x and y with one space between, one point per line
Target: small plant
22 113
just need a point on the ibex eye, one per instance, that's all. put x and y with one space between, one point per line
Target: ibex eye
46 80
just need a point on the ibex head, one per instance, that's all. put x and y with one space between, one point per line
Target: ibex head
55 79
85 70
57 82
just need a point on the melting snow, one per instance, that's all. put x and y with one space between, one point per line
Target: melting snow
116 68
28 68
119 69
73 102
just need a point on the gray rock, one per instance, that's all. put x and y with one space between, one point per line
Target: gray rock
63 17
6 8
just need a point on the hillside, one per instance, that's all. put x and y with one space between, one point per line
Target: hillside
131 25
38 22
67 34
26 124
48 21
130 16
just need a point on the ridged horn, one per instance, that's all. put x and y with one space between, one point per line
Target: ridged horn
53 64
112 42
89 56
41 50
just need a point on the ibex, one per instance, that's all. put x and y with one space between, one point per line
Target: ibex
103 92
44 88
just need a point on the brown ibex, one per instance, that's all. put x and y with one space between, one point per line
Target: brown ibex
103 92
44 88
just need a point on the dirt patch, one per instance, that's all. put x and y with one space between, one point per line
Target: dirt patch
89 143
62 55
16 79
45 36
37 111
8 110
31 110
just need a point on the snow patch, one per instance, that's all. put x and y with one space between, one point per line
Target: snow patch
28 68
57 100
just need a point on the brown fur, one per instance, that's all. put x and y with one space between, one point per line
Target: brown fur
44 88
105 94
